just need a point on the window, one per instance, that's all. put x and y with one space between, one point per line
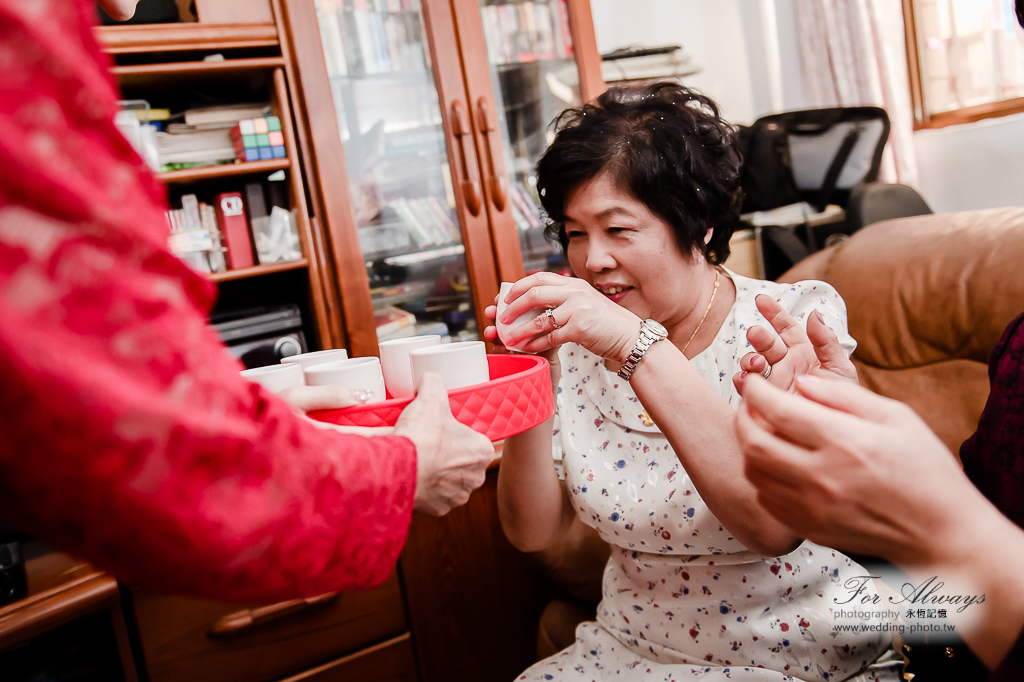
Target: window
966 60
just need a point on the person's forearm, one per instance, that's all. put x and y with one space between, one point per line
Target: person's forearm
532 503
982 555
699 426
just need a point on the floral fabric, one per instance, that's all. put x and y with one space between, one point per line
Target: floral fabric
682 598
129 437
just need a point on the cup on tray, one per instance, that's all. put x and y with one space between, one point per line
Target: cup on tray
317 357
354 373
460 364
503 329
275 378
394 360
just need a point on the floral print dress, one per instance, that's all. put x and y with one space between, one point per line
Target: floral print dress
683 599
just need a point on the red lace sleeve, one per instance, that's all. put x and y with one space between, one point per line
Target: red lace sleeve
128 436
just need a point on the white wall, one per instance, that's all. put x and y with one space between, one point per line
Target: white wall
751 62
711 33
977 165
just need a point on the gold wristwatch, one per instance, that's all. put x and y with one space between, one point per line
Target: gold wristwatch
651 331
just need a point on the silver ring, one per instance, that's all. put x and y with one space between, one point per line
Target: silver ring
768 371
551 316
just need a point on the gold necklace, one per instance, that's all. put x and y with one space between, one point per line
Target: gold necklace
646 418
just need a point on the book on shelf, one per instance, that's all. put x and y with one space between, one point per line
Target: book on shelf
225 115
194 235
195 147
391 319
331 22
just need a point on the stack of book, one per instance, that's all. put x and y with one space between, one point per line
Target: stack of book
427 222
195 236
204 138
365 37
527 31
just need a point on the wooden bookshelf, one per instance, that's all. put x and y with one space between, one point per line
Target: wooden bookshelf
146 38
224 170
243 273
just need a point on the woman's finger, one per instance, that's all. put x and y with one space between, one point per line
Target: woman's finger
753 362
850 398
540 296
535 280
491 312
802 422
310 398
768 460
826 347
787 326
768 345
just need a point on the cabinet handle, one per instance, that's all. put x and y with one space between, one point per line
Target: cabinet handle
471 190
240 622
497 181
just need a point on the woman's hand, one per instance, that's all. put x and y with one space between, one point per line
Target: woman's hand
583 315
551 355
850 469
794 351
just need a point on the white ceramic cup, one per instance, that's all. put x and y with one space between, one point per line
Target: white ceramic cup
364 373
522 319
275 378
394 360
459 364
317 357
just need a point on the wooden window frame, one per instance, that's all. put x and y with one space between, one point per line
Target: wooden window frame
922 119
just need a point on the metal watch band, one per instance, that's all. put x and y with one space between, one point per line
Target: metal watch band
646 340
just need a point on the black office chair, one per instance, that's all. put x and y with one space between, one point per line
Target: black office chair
877 201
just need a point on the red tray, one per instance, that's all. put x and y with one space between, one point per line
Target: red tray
517 398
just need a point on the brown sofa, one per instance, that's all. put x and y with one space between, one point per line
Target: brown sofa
928 298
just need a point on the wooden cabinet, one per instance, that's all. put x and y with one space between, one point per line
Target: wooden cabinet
185 640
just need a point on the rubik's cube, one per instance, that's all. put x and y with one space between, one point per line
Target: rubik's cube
258 139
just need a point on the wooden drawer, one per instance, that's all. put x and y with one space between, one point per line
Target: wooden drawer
183 639
390 661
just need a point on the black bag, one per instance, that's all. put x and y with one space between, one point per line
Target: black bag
767 173
813 155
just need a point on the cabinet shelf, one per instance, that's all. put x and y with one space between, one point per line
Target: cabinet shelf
184 36
256 271
224 170
187 72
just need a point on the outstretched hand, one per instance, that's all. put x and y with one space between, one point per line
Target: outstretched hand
849 469
794 351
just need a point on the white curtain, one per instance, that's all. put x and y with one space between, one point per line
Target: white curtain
853 52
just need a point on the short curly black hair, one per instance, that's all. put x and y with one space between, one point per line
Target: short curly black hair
664 143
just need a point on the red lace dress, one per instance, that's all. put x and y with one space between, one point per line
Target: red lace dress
127 435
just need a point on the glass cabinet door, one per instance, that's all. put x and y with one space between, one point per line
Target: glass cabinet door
534 75
389 117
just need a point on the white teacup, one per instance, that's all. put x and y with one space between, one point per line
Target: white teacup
459 364
394 360
503 329
354 373
317 357
275 378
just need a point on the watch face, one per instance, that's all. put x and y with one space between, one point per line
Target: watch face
656 328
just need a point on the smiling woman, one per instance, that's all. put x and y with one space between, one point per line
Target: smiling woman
641 189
